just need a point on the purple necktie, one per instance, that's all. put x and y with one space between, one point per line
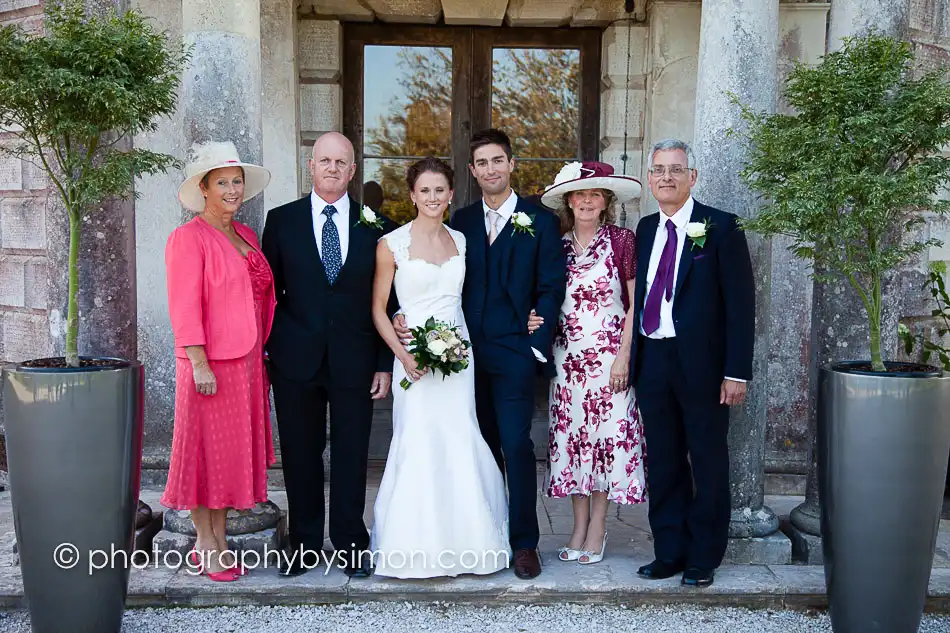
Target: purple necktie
663 281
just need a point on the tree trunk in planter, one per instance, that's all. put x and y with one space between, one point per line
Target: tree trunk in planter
75 448
883 440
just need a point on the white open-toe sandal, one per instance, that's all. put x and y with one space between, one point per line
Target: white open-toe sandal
594 557
567 554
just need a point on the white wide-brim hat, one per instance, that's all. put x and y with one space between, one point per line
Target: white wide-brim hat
593 175
205 157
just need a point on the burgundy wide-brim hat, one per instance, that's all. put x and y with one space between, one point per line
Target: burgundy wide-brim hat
590 175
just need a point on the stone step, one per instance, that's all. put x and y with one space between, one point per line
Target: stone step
614 581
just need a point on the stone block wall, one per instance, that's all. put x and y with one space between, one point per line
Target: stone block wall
625 60
24 317
320 68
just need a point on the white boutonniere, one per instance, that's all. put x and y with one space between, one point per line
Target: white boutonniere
522 223
696 231
369 218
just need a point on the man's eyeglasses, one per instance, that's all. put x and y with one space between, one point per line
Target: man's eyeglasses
675 170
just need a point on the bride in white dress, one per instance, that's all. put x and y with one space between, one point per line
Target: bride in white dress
441 509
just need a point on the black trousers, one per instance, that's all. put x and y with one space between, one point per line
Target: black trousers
504 403
301 421
682 421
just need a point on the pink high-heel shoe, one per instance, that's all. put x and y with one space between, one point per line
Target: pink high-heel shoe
227 575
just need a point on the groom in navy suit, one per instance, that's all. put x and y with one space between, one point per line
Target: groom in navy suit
692 357
514 265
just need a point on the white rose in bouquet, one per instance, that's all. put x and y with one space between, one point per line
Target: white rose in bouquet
437 347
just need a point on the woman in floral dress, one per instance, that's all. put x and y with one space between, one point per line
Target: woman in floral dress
596 448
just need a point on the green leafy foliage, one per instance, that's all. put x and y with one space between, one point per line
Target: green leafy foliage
848 176
74 97
937 287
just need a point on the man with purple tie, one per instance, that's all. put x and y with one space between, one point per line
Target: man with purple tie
691 359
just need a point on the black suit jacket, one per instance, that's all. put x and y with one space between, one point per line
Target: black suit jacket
713 301
533 270
314 322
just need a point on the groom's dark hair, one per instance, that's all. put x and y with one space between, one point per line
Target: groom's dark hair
491 136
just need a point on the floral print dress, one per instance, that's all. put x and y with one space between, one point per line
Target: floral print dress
595 436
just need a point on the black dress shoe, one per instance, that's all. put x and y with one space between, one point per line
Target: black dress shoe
660 569
698 577
293 564
294 568
527 563
362 569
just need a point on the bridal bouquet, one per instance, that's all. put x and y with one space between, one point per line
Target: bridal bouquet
438 346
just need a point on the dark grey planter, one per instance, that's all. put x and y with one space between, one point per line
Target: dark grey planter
882 443
74 446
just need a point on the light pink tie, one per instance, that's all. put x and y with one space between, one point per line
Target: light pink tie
493 217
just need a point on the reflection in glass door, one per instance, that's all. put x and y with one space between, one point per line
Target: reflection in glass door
407 114
536 100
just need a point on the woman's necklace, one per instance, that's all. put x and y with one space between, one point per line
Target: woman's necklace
578 247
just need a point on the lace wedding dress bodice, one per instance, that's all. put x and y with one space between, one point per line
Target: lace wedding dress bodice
425 289
442 507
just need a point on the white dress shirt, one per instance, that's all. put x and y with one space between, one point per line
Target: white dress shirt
341 218
506 210
680 218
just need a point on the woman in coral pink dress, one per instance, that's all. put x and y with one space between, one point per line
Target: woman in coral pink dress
221 302
596 449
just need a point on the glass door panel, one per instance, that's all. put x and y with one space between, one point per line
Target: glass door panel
407 114
536 99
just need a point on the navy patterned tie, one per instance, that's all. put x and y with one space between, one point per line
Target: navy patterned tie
332 260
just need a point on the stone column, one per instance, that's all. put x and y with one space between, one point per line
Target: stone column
738 53
222 84
839 321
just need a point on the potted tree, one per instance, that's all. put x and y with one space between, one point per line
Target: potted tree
850 177
73 98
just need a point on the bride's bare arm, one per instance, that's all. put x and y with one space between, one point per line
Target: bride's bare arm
382 287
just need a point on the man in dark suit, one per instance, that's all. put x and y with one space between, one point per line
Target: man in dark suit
695 317
510 271
324 350
514 263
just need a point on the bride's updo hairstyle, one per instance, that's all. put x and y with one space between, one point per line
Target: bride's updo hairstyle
429 164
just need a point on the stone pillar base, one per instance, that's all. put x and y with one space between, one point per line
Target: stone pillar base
806 517
752 522
264 542
261 529
774 549
806 548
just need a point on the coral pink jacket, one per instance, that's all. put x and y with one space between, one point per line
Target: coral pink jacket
210 299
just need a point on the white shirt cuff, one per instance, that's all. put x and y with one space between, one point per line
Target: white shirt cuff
735 379
539 356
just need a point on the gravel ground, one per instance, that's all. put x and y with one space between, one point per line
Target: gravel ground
410 617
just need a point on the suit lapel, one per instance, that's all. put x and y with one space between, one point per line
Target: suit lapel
357 239
508 239
686 257
303 222
477 245
644 252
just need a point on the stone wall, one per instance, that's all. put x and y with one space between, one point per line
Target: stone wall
24 247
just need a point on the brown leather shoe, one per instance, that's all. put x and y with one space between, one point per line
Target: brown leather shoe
527 563
143 515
